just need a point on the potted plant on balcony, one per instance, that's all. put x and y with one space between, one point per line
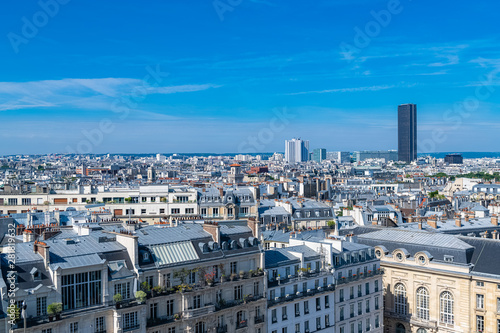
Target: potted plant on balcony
242 274
54 310
14 313
117 298
157 290
251 272
233 277
141 296
246 298
223 278
145 287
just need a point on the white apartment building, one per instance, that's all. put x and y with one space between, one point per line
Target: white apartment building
318 284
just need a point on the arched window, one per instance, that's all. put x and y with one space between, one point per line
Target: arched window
400 328
422 303
446 308
199 327
400 298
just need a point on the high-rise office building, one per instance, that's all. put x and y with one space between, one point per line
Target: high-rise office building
407 132
319 155
296 150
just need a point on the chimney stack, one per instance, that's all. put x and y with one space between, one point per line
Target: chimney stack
254 225
466 217
458 221
28 236
494 219
42 249
420 227
213 229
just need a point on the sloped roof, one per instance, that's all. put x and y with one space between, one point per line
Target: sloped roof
171 253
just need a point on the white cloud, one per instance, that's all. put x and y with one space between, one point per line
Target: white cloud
80 93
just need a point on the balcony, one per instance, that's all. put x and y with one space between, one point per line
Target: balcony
152 322
227 304
242 324
298 295
222 329
193 313
295 278
258 319
361 276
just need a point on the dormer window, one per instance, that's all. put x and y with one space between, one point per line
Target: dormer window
35 274
145 256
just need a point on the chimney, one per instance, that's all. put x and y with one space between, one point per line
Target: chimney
28 236
466 217
494 234
420 227
374 222
221 192
213 229
431 221
410 219
458 221
254 225
494 219
42 249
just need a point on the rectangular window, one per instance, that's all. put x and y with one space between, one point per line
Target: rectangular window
479 323
341 295
377 321
360 327
367 324
327 301
341 314
41 306
284 315
479 301
376 303
318 304
238 292
327 320
256 289
367 288
297 328
306 307
170 307
376 285
234 267
351 310
47 330
100 325
318 323
360 292
81 290
498 305
274 317
351 294
479 283
171 330
73 327
297 310
367 306
130 320
197 301
360 308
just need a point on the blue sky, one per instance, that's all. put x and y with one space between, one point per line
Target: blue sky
244 75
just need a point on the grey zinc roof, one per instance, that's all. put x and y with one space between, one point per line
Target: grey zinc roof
417 237
166 254
156 235
75 261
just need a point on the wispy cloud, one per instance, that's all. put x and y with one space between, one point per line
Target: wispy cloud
355 89
80 93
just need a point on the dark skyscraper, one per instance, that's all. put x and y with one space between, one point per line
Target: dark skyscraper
407 132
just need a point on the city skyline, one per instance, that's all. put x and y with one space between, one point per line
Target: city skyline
325 79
